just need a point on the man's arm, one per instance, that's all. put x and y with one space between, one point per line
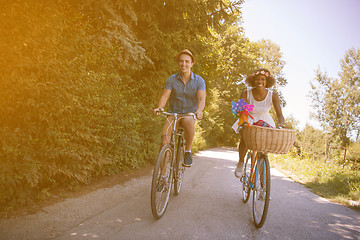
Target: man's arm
163 100
201 96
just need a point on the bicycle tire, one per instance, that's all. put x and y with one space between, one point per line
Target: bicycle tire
261 192
160 199
245 179
179 167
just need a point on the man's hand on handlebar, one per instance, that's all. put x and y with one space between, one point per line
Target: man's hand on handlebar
196 115
156 111
199 115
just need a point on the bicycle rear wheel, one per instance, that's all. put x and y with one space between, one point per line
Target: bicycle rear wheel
179 167
245 179
261 192
161 182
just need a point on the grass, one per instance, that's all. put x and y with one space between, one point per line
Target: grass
328 180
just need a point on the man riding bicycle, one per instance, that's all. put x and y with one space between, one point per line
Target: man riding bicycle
187 93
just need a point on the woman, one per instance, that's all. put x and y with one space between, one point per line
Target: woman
262 98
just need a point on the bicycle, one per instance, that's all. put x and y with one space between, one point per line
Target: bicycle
169 166
256 177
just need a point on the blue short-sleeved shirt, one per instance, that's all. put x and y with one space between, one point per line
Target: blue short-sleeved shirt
183 97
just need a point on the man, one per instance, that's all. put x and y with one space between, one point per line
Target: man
186 91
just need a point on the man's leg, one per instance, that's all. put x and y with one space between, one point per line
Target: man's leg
188 124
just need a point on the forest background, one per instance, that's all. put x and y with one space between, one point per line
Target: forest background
79 80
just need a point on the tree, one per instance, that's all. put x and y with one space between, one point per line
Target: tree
311 142
235 56
336 101
350 80
271 59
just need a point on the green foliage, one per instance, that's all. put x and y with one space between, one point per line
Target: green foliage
79 80
311 142
271 59
328 180
67 113
337 101
353 154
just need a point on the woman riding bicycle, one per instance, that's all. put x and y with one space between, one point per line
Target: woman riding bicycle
262 98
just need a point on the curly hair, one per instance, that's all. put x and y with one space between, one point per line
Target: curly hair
270 80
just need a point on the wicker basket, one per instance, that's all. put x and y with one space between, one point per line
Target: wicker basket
268 140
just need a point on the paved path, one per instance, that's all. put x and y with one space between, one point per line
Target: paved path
208 207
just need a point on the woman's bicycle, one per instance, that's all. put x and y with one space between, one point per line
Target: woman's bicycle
256 177
169 167
256 172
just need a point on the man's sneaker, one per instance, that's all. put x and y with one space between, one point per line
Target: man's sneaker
187 159
239 170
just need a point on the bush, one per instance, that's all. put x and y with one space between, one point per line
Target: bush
67 111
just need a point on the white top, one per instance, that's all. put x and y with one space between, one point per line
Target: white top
260 110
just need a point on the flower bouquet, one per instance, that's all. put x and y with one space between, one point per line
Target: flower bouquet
241 109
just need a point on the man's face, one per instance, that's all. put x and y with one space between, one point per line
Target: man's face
185 63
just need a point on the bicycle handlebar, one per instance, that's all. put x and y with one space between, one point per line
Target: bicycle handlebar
162 111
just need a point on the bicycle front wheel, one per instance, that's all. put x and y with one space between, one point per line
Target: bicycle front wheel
179 167
245 179
261 193
161 182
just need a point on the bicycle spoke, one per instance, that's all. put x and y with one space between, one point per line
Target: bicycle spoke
179 169
161 183
261 193
245 180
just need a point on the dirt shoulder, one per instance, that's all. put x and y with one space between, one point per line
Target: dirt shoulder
62 194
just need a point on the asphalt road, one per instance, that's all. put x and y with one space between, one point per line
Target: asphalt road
208 207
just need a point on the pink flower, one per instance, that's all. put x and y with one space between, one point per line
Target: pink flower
262 72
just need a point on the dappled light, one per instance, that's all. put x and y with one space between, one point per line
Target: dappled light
209 205
220 153
97 226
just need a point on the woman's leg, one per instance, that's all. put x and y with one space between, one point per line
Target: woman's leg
242 152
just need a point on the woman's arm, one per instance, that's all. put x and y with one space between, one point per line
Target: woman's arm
244 96
276 102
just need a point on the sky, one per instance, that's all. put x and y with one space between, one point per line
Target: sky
312 34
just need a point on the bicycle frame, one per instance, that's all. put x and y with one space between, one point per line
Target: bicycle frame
166 170
255 168
174 131
257 179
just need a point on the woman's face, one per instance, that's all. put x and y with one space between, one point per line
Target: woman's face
260 81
